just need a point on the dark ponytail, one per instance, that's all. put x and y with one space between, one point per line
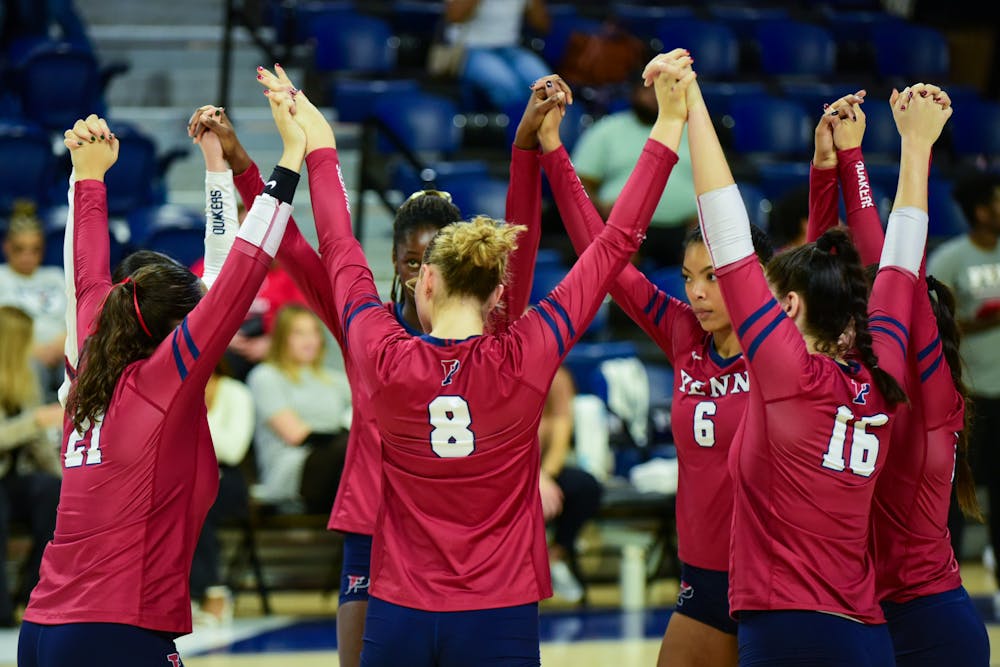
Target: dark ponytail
829 277
762 245
137 315
943 305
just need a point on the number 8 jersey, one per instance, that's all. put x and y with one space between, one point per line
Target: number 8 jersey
460 526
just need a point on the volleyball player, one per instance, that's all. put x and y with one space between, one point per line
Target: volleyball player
139 466
931 619
710 392
416 222
460 528
817 423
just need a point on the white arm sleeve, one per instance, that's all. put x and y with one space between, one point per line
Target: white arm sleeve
905 238
70 347
221 223
265 223
725 225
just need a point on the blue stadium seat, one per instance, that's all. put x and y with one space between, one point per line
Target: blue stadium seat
714 46
585 359
743 20
670 280
355 43
424 123
812 95
945 217
641 20
441 174
910 52
354 99
53 221
661 399
26 164
557 39
144 221
794 48
59 83
978 129
777 178
765 124
720 96
134 181
479 196
881 137
185 244
853 33
293 21
417 17
757 203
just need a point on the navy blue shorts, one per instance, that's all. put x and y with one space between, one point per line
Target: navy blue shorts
704 596
395 635
355 574
94 645
941 629
811 639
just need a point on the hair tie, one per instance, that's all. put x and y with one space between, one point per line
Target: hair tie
135 304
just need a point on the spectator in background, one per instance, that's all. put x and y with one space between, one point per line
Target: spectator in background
302 407
494 61
570 496
970 266
29 446
38 290
231 422
786 225
605 156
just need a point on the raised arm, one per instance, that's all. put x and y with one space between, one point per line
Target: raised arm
524 197
189 355
295 254
920 120
771 343
93 150
71 350
221 223
562 316
665 319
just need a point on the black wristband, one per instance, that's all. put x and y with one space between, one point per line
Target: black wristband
282 184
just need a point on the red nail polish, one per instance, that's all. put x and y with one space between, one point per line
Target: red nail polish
260 68
277 65
260 78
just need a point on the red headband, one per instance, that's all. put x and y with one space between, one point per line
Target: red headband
135 303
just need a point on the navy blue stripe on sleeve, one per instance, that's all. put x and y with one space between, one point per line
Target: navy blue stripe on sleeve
902 343
652 302
364 306
662 309
347 309
930 369
178 359
894 322
927 350
552 325
189 339
764 333
561 312
754 316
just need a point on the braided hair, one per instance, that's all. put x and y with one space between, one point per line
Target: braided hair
830 279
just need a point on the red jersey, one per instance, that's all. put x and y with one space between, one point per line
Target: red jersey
137 485
461 525
911 543
277 290
360 491
806 459
710 392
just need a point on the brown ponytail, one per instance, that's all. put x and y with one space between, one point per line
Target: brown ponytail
943 305
137 315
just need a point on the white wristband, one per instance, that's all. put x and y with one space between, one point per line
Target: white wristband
905 238
221 223
265 223
725 225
